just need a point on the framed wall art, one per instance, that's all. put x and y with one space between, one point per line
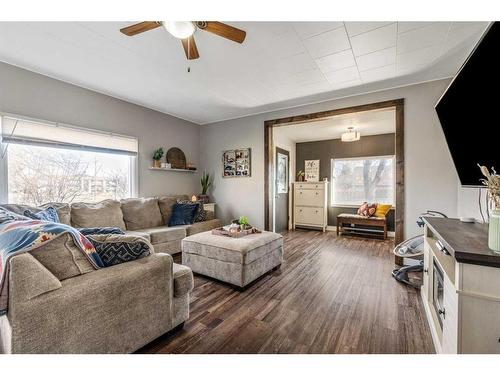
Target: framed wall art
236 163
311 170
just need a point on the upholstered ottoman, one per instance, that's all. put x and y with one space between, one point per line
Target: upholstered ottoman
237 261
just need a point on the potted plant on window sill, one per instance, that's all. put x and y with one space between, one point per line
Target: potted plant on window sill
157 155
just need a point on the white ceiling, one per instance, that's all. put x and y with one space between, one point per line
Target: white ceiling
382 121
280 64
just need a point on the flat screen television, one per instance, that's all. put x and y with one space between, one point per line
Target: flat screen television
469 110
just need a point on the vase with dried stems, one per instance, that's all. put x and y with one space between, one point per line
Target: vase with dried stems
492 183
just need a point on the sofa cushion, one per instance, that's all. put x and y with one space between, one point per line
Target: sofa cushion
166 204
63 258
137 233
165 234
115 249
141 213
48 214
63 210
107 213
202 226
183 280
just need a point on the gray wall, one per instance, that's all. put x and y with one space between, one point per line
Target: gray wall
25 93
431 181
325 151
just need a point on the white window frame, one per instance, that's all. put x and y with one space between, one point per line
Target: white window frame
4 163
332 189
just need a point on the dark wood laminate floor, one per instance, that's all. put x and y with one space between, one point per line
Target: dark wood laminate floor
331 295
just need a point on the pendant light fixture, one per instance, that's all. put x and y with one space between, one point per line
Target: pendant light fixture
350 135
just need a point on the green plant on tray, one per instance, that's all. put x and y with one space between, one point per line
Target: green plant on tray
244 221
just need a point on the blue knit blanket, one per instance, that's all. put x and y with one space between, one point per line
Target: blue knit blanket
18 235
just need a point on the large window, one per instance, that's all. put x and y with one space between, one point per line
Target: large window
359 180
48 163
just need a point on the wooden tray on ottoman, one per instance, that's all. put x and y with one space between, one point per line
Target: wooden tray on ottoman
241 233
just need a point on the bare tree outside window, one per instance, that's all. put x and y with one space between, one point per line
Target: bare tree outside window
37 175
355 181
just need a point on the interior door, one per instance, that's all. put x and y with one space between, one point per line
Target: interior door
281 188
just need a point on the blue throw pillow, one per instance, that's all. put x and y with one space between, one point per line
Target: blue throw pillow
116 252
49 214
183 214
100 230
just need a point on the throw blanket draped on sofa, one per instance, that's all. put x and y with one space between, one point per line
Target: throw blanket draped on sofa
17 237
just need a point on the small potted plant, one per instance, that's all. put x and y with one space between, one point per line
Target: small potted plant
157 155
206 182
300 176
244 224
492 183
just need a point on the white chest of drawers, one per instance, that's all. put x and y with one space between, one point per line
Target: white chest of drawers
310 204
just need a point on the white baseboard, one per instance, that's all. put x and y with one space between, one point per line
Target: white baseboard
332 228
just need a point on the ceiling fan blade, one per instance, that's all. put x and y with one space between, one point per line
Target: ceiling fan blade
140 27
223 30
190 48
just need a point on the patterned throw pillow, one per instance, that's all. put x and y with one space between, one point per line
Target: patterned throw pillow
100 230
367 209
114 249
201 214
49 214
362 208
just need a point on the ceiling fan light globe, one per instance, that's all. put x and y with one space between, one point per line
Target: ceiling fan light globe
180 29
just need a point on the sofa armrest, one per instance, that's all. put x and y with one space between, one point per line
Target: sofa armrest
114 309
29 279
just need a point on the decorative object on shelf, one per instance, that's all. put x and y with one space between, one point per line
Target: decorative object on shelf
190 166
492 183
193 198
312 170
176 158
206 182
157 155
236 163
350 135
164 165
300 176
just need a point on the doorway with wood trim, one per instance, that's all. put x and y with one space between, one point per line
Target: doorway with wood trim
272 127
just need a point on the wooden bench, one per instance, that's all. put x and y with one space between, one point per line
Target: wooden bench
353 219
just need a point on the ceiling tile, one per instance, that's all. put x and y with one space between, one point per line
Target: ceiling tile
336 61
407 26
308 77
371 41
327 43
414 60
296 63
284 45
376 59
463 33
356 28
378 74
343 75
423 37
308 29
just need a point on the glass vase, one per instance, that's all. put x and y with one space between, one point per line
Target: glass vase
494 231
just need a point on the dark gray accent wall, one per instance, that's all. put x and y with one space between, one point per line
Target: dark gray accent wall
325 151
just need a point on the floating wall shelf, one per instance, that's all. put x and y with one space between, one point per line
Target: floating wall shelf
173 169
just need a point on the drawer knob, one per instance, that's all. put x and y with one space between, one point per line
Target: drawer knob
316 211
316 193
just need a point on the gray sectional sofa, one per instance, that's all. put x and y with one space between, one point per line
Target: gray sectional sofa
145 217
58 303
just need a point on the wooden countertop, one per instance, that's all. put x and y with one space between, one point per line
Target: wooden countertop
467 242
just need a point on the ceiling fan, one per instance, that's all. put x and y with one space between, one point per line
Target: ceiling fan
184 30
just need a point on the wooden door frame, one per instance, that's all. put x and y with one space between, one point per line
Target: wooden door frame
397 104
